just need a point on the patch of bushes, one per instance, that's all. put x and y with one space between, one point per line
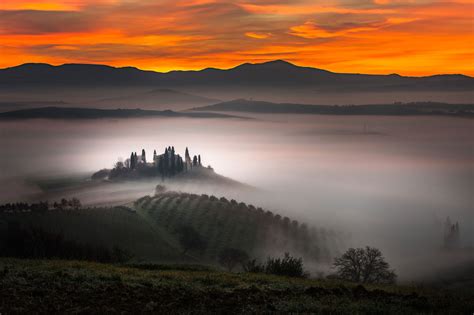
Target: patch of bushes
286 266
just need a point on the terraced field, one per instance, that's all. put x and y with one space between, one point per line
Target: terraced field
223 223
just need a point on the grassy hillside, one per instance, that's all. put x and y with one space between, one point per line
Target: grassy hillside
110 227
35 286
223 223
149 229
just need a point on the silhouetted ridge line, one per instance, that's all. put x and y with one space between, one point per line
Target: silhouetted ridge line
95 113
267 74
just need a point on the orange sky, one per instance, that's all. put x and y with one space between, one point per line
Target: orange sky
411 37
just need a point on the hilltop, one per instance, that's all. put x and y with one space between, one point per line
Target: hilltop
150 228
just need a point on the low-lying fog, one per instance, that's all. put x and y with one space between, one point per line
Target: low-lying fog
388 181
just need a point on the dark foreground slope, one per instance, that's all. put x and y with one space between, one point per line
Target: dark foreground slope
119 227
33 286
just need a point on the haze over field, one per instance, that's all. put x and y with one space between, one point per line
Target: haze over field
387 181
214 156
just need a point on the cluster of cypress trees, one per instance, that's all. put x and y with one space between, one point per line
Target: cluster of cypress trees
167 164
170 163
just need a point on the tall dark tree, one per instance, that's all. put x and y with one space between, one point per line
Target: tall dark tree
172 162
166 162
143 156
199 159
195 161
132 161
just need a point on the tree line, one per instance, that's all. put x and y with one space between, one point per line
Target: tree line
361 265
36 243
41 206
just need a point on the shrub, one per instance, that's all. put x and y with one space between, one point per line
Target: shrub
286 266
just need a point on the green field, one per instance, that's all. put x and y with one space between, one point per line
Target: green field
40 286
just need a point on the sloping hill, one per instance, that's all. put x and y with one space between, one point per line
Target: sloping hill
150 229
110 227
158 99
420 108
223 224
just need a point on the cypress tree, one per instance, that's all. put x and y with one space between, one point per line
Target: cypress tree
132 165
173 162
166 163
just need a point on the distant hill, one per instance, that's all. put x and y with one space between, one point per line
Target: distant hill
15 105
268 74
422 108
95 113
158 99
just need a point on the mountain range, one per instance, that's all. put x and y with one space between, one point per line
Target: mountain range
269 74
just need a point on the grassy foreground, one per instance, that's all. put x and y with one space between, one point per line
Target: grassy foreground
52 286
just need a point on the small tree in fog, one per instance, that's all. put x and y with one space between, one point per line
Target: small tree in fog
190 239
366 265
230 257
75 203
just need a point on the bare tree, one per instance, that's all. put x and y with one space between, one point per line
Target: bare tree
366 265
231 257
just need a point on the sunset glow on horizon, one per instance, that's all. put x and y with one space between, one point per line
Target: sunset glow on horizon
412 37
